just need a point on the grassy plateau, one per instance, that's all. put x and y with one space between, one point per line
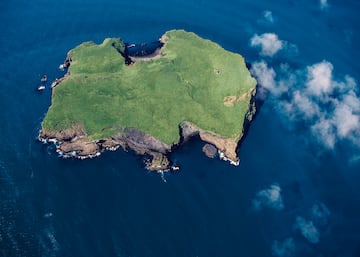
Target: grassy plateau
195 80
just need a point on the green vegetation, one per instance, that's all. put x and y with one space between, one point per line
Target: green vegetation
189 83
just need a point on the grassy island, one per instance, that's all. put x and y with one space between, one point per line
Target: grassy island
191 80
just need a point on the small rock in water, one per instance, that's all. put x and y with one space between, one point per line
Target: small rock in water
209 150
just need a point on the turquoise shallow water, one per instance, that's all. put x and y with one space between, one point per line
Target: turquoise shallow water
307 195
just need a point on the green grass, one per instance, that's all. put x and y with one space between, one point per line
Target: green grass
105 95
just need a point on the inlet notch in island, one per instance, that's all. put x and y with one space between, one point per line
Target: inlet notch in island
150 100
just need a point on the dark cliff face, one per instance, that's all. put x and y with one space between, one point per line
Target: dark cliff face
143 49
73 142
121 48
135 50
250 115
187 131
144 141
76 131
118 44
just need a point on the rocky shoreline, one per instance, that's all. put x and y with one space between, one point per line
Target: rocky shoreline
74 142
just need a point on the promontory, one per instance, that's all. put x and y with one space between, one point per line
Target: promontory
150 98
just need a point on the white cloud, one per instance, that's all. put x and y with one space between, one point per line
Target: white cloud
320 78
328 106
324 130
352 101
323 4
307 229
341 120
269 43
265 77
268 16
270 198
355 159
320 213
285 248
305 105
345 120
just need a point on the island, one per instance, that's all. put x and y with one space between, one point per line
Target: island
150 101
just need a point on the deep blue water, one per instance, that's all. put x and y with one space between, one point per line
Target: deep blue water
111 206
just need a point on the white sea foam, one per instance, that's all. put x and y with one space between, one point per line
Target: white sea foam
224 158
112 148
161 172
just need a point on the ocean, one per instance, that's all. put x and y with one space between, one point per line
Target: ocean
296 190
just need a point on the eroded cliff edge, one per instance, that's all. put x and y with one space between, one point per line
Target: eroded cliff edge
74 142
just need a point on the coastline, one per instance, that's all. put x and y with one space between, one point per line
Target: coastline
157 54
154 56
